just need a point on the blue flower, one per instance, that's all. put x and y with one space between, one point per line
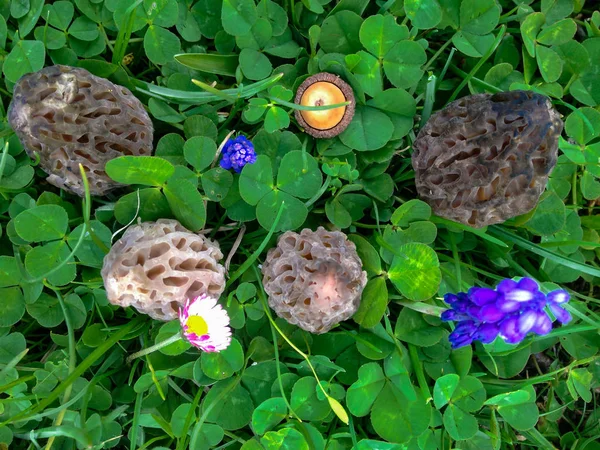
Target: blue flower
510 311
237 153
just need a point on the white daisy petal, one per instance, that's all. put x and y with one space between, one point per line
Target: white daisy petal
206 324
202 305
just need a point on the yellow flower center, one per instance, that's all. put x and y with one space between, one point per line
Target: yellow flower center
197 325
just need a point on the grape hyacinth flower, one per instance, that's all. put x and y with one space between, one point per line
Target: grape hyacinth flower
205 324
510 311
237 153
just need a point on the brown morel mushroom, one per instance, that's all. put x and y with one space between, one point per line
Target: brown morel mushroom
69 117
325 89
156 266
486 158
314 279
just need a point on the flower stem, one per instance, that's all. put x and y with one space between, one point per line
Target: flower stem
153 348
276 350
418 368
337 408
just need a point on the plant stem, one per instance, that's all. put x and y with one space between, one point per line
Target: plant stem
418 368
72 364
574 188
238 273
480 63
130 41
108 43
153 348
301 353
421 307
504 18
188 420
81 368
437 54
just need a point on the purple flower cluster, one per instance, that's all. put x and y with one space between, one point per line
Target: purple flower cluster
510 311
237 153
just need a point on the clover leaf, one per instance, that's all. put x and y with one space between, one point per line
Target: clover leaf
369 130
378 34
423 14
397 419
238 16
298 177
339 33
463 396
415 271
518 408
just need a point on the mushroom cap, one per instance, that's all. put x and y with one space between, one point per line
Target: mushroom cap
69 117
314 279
156 266
325 89
486 158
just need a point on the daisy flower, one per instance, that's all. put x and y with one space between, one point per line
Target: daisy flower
205 324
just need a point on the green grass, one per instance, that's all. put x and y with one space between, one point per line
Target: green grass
207 70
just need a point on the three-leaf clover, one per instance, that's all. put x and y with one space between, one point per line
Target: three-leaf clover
298 177
276 117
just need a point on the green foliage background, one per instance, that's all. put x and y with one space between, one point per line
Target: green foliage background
64 383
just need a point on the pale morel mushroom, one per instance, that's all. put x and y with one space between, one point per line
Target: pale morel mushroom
325 89
486 158
314 279
157 266
67 116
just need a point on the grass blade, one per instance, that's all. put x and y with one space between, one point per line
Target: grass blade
308 108
482 234
81 368
540 251
480 63
225 65
238 273
188 97
124 33
212 90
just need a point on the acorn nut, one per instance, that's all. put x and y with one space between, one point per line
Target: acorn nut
325 89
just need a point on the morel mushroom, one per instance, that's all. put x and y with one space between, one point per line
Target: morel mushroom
486 158
156 266
319 90
68 117
314 279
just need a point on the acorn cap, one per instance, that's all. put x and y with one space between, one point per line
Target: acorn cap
325 89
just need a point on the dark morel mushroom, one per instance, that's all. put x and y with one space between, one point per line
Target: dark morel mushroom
320 90
486 158
314 279
69 117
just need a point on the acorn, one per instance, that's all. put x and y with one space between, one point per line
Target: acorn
325 89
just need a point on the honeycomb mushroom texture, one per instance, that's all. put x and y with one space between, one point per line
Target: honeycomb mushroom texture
156 266
314 279
486 158
69 117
